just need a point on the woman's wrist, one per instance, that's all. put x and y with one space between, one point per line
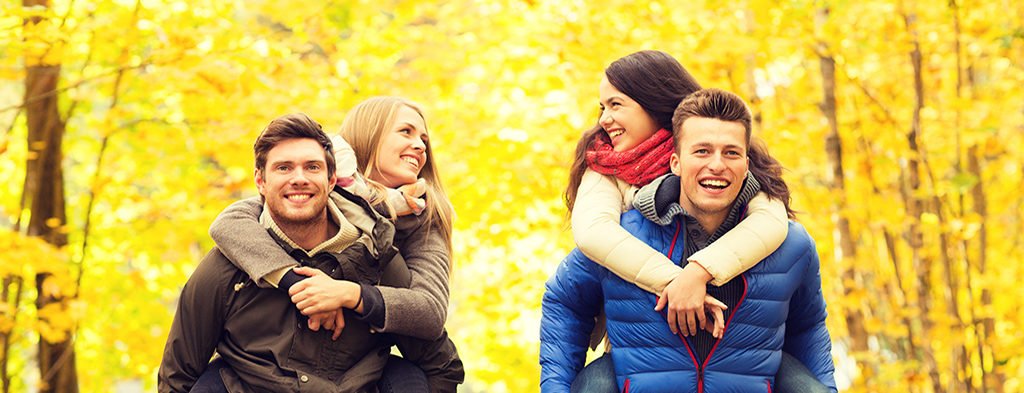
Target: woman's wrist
695 269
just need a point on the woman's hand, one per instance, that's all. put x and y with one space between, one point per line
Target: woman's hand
320 293
685 298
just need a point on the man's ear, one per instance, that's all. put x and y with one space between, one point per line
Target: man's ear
673 164
260 181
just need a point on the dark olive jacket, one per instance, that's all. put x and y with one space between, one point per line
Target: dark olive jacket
264 340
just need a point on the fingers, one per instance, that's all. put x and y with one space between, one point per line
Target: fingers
701 319
691 324
327 320
662 301
672 321
719 323
339 324
313 323
308 307
711 301
305 271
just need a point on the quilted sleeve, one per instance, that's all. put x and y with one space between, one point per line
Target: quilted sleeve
572 299
807 337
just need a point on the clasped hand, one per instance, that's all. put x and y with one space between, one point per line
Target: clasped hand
321 298
688 304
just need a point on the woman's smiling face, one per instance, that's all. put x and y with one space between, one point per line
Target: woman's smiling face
403 150
625 121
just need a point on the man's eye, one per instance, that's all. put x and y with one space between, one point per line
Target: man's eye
282 168
313 167
701 151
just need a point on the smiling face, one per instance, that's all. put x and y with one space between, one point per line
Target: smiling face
711 162
403 150
625 121
295 182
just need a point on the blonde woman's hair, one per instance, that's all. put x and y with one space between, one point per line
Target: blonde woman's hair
364 127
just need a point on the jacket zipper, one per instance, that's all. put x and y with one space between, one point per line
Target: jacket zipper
699 366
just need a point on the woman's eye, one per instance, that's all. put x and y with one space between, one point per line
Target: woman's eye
405 131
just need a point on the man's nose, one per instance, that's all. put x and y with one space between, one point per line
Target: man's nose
300 177
716 163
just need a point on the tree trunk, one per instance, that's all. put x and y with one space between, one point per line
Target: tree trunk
44 196
833 147
995 379
915 207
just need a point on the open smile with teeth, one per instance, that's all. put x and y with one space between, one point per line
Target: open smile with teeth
298 197
614 133
715 184
412 161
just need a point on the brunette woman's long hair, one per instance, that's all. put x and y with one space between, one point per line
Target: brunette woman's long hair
656 81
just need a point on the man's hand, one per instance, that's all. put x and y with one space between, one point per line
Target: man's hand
330 320
320 293
685 298
717 309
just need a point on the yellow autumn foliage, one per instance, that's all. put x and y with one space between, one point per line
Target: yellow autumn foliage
163 99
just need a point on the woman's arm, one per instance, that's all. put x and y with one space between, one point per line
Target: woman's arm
595 226
755 238
240 236
421 309
758 235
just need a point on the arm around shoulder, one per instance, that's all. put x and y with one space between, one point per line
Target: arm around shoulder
596 229
755 238
240 236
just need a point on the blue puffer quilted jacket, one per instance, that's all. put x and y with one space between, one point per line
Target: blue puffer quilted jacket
781 309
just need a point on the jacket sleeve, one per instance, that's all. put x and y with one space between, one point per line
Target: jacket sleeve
438 358
756 237
421 309
807 337
240 236
572 299
197 325
596 229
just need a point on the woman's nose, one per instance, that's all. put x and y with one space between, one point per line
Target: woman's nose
418 144
606 119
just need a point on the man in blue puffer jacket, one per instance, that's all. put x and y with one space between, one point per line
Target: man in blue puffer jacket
776 305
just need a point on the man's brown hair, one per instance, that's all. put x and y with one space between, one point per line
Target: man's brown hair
725 106
714 104
292 126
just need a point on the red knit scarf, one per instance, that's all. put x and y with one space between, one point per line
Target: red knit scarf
636 166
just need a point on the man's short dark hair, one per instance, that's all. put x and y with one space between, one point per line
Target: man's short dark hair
292 126
714 104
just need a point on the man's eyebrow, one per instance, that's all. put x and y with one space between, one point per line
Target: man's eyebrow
709 144
276 162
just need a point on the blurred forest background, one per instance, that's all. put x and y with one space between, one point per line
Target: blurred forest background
127 125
